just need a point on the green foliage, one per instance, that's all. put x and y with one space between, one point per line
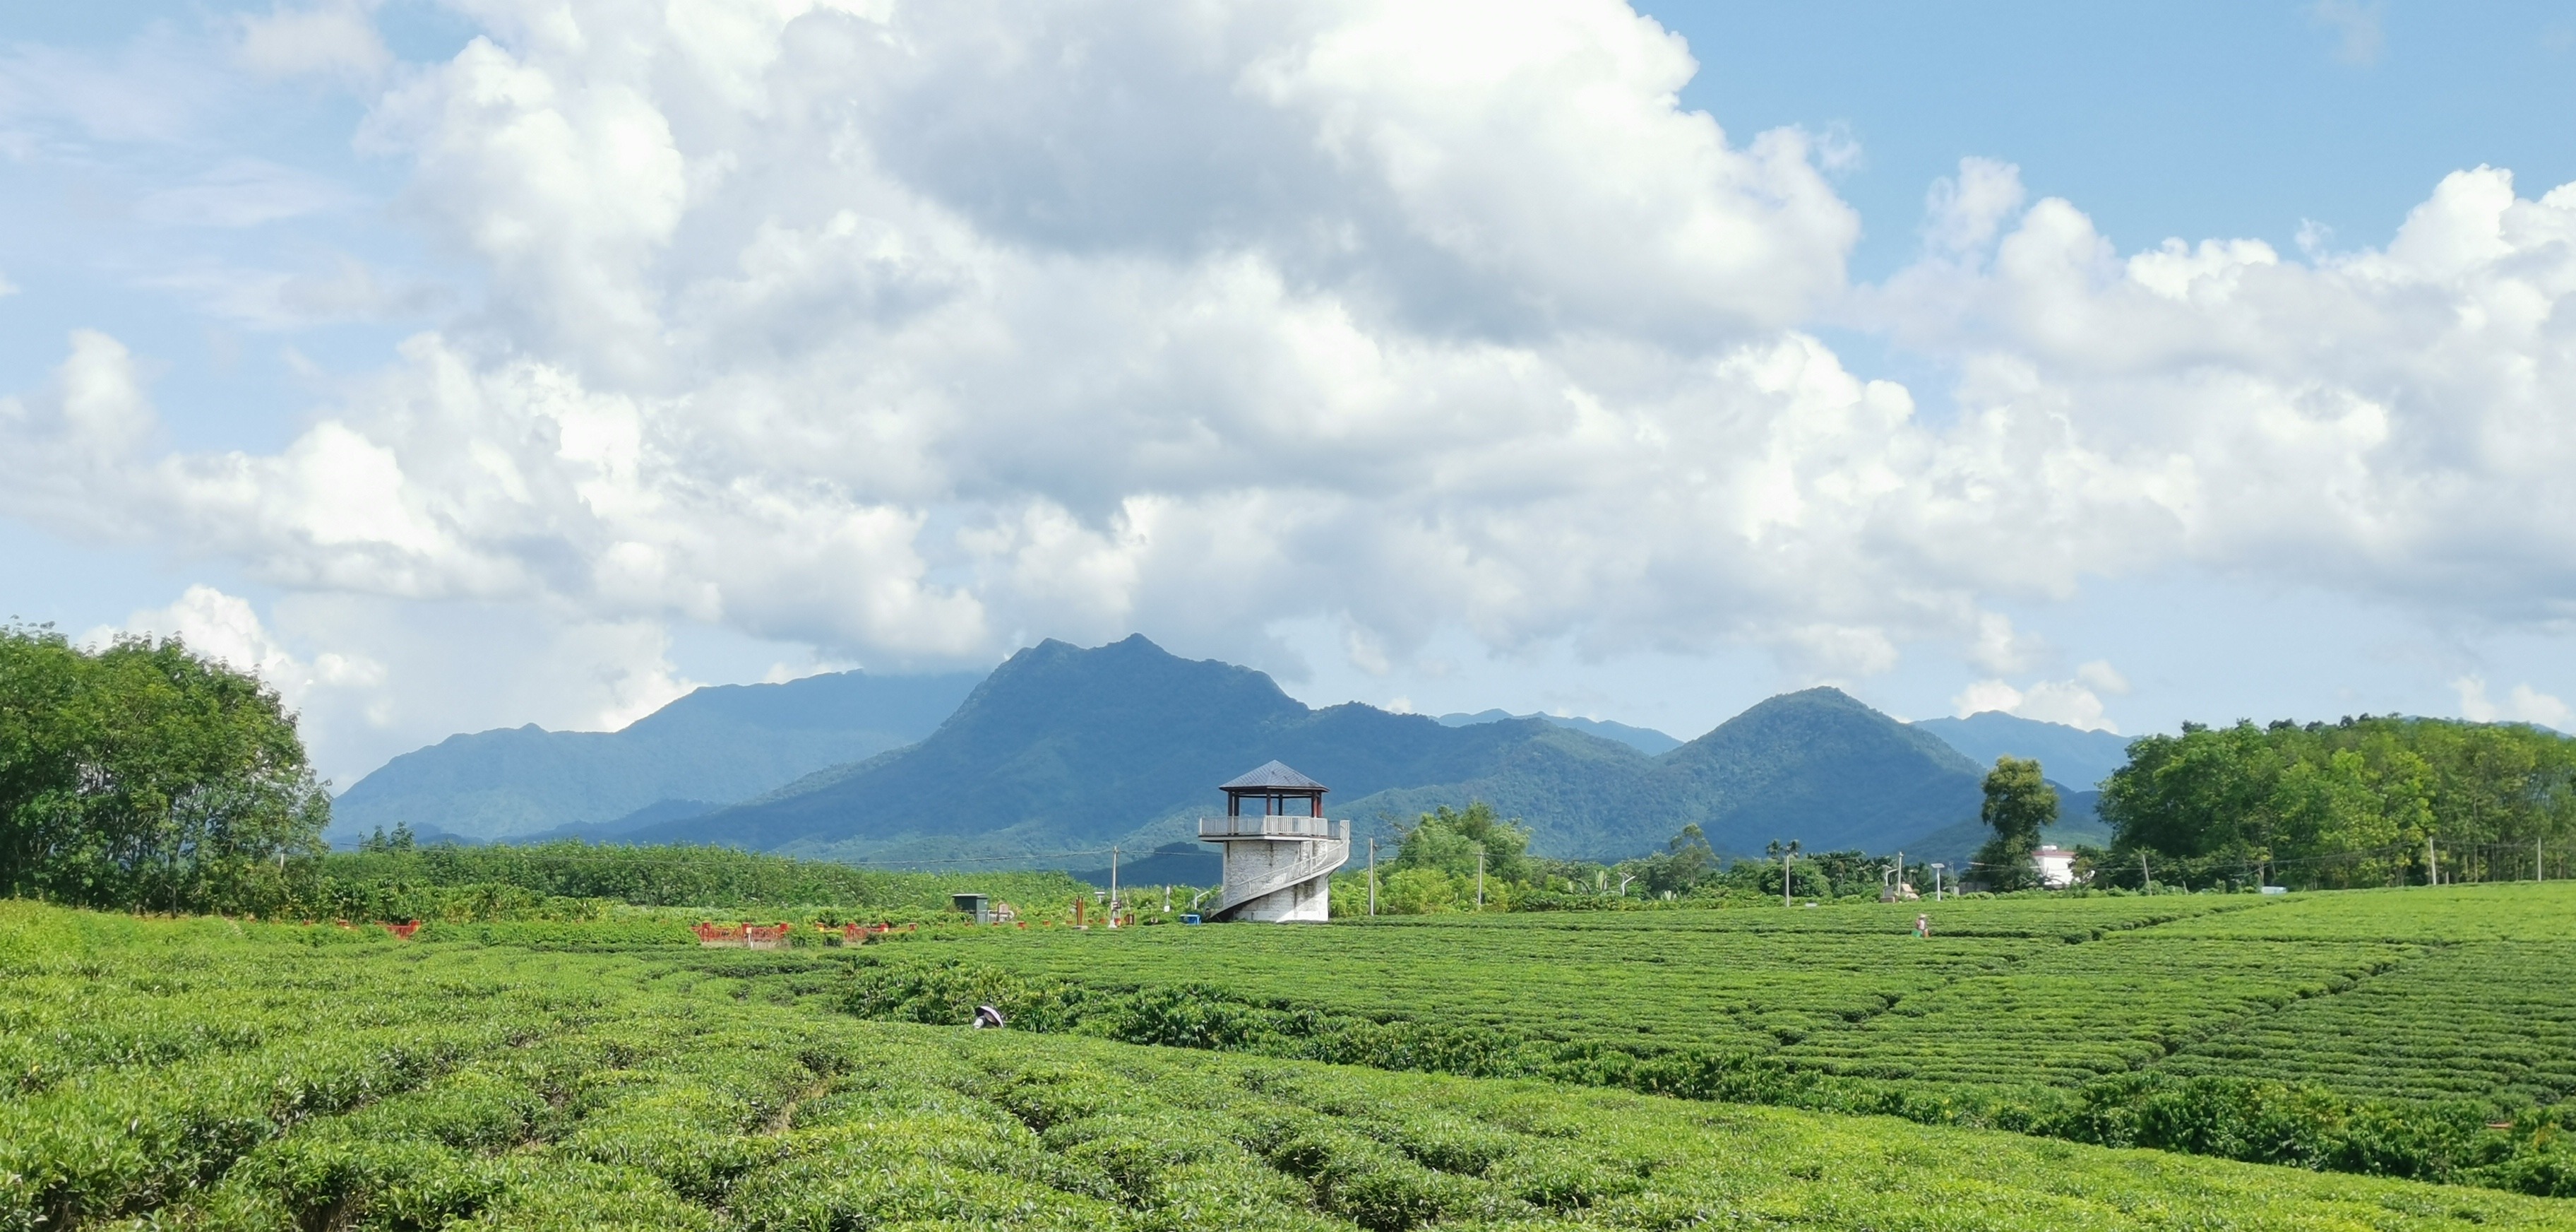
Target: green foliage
1444 857
143 776
383 1086
1685 862
2347 804
1451 841
2019 804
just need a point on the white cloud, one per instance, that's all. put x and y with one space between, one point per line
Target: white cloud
158 89
243 192
2001 648
393 678
2523 705
334 39
7 288
2386 421
2360 31
913 334
225 628
2049 701
339 288
2101 676
1964 214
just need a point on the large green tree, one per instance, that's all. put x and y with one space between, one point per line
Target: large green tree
2343 804
1448 840
144 776
2019 804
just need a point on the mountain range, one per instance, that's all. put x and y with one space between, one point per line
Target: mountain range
2071 756
1064 752
713 747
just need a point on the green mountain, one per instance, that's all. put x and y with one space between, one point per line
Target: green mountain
1062 752
1645 740
2075 761
2068 755
719 745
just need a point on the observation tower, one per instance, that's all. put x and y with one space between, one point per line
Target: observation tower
1279 855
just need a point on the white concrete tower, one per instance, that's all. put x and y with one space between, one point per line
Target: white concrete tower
1278 862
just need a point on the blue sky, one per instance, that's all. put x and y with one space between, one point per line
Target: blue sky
457 372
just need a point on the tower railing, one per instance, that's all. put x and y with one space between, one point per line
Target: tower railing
1274 827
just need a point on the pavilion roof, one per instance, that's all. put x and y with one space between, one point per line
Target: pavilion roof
1274 776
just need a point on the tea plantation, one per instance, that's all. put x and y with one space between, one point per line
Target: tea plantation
200 1073
2413 1032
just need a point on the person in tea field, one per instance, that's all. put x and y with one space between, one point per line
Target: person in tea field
986 1018
1922 925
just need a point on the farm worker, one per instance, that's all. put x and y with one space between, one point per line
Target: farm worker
987 1016
1922 926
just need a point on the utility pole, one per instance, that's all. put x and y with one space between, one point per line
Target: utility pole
1372 876
2432 863
2146 880
1785 857
1113 887
1480 876
1937 866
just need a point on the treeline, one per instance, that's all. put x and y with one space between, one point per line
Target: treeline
1454 860
392 880
140 776
2363 802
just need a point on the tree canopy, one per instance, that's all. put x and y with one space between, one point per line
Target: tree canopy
2344 804
2019 804
142 775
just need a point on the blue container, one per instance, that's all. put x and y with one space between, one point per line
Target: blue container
1189 919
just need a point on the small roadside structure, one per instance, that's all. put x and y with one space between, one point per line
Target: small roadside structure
1280 849
2055 866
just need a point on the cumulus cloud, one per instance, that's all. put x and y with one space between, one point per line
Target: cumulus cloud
2387 421
911 333
369 676
2069 702
227 629
2523 705
2101 676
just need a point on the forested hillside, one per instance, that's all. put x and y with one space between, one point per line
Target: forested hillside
713 747
1065 749
1069 749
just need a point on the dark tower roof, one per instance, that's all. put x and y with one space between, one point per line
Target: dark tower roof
1273 777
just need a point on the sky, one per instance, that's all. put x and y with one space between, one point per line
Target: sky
469 364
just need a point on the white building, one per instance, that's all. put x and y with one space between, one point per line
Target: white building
2056 867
